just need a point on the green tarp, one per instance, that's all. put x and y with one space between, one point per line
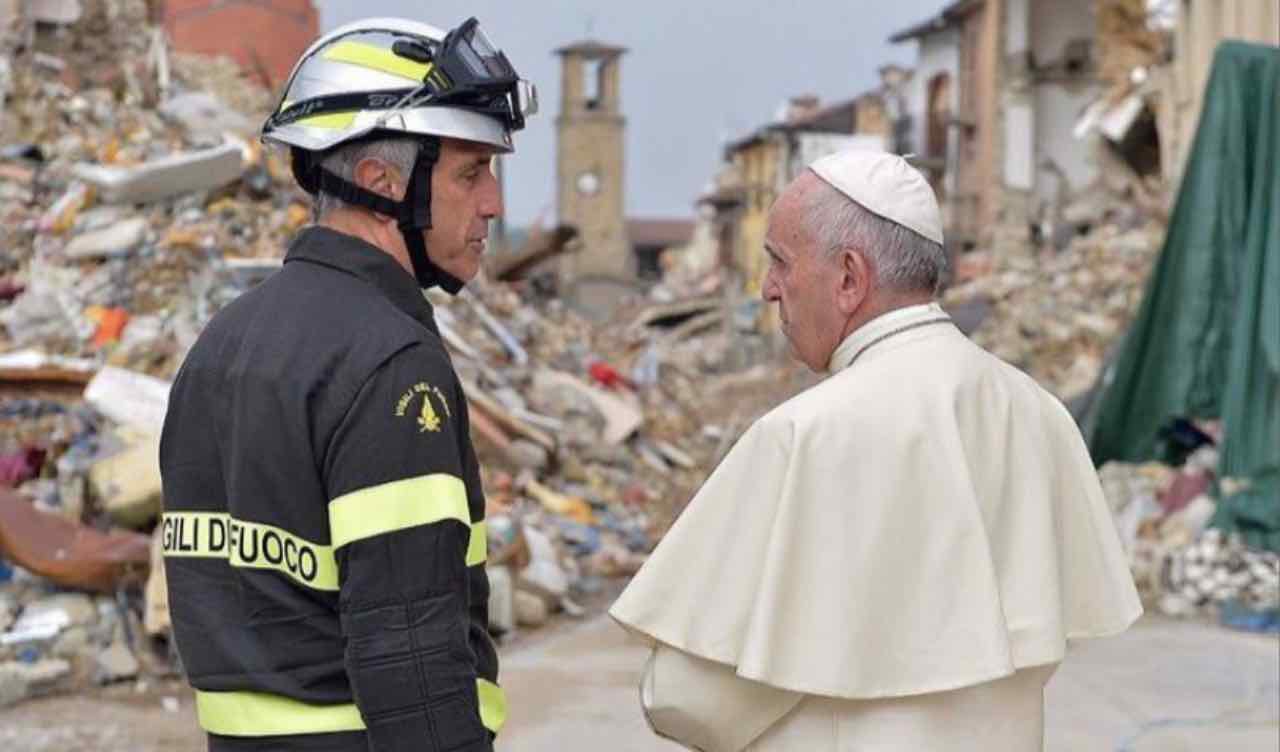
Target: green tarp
1206 340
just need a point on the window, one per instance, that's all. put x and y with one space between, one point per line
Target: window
593 83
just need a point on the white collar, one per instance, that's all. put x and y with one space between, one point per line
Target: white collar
882 327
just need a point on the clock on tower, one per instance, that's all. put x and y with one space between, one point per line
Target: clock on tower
588 183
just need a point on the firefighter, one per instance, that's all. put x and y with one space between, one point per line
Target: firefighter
324 531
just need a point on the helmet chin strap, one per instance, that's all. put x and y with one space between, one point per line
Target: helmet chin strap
415 218
412 213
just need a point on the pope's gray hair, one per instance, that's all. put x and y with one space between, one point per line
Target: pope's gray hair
342 161
904 260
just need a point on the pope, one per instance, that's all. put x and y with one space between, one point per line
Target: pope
896 558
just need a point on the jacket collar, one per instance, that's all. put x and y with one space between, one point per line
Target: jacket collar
347 253
882 327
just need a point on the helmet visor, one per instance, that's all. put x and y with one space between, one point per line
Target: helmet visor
478 74
482 59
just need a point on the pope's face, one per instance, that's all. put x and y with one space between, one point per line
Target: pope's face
802 280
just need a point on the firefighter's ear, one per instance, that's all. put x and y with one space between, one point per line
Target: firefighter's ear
380 177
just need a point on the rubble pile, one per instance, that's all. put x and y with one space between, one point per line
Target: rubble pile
135 203
591 438
1181 566
119 183
1056 316
52 643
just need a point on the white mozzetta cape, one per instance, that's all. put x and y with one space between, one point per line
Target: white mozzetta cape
925 519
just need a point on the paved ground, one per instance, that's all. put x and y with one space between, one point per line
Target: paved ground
1162 687
577 691
1168 686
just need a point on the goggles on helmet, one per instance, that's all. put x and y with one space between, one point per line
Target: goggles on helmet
465 70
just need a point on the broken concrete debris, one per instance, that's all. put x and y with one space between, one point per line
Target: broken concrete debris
127 484
530 610
204 116
61 12
129 398
620 416
57 638
502 617
167 177
116 240
1057 315
115 663
21 680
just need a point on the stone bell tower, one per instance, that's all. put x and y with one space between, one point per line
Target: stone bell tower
589 161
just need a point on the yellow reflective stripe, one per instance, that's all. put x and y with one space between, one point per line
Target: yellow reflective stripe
333 121
261 714
377 58
493 704
478 546
251 545
397 505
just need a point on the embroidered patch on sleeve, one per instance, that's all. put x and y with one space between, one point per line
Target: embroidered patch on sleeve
427 416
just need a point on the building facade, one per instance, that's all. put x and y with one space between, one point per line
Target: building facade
1200 26
1000 85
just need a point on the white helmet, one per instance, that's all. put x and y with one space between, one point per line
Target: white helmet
397 75
393 77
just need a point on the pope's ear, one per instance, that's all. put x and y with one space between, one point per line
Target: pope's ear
855 273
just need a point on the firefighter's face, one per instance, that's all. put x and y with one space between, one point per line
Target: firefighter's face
464 196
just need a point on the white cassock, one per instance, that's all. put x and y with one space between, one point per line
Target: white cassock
892 560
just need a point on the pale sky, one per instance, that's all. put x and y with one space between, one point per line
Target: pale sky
696 74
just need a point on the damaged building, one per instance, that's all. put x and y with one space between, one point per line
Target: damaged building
1012 98
1159 56
998 88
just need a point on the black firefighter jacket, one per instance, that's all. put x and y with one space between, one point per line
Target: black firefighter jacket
324 531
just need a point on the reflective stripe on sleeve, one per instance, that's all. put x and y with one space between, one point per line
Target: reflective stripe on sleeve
478 546
493 704
261 714
397 505
354 516
252 545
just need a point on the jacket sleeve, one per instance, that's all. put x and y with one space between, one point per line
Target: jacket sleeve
705 705
400 527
